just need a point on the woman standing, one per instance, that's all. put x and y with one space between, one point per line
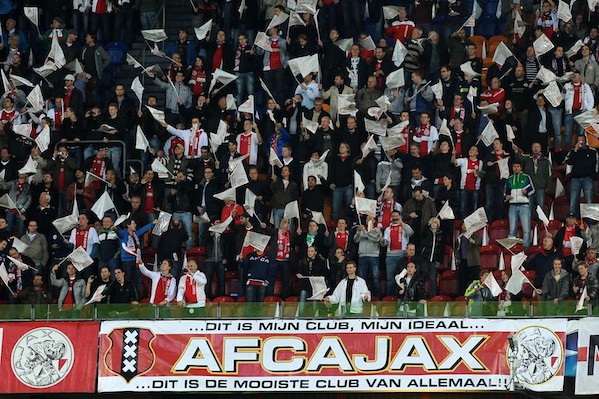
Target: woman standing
313 265
433 250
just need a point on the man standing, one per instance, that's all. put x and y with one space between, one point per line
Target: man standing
584 164
518 189
368 238
352 292
121 290
395 238
538 167
191 287
195 137
495 184
37 246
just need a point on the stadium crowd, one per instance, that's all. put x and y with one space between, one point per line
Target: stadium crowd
282 120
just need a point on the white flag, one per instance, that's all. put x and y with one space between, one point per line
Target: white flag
589 211
261 41
80 259
542 45
446 212
43 139
492 284
73 66
575 49
489 134
159 168
535 236
7 202
221 76
395 79
365 206
306 6
501 54
358 183
310 125
19 245
519 25
273 159
141 142
367 43
221 227
504 169
489 109
67 223
97 296
319 288
437 89
542 216
133 62
369 146
20 81
466 67
238 176
247 106
36 99
545 75
103 204
559 188
203 30
511 136
390 12
250 198
138 89
32 14
295 19
29 167
4 276
580 303
292 210
265 88
375 127
228 194
387 182
304 65
318 217
154 35
398 129
517 261
576 244
553 94
344 44
256 240
19 264
277 20
501 261
56 53
563 11
514 284
470 22
390 143
399 53
509 242
157 114
5 82
475 221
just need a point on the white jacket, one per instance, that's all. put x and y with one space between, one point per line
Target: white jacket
200 282
155 277
359 290
588 100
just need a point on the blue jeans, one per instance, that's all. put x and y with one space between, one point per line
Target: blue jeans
301 311
254 297
391 268
341 196
277 215
556 121
522 212
13 218
568 128
115 154
245 85
147 19
187 221
370 264
219 269
586 183
469 202
494 200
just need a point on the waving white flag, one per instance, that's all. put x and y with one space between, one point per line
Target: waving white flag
103 204
141 142
542 45
138 89
589 211
358 184
446 212
247 106
154 35
80 259
365 206
238 176
273 159
489 134
399 53
277 20
43 139
492 284
203 30
292 210
563 11
475 221
256 240
501 54
369 146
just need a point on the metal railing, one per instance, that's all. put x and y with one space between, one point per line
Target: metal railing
121 143
289 310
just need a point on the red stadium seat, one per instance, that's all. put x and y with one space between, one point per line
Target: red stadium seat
561 207
224 298
389 298
449 284
489 257
446 264
499 229
272 298
440 298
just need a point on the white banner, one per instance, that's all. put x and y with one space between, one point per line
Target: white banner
587 367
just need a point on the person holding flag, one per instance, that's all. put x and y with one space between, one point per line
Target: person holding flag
19 193
479 294
410 288
249 141
350 293
164 285
586 283
131 249
555 289
194 138
260 272
395 238
72 289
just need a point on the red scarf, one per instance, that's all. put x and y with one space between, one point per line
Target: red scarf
191 290
149 208
342 239
386 209
396 237
81 236
162 289
194 142
283 245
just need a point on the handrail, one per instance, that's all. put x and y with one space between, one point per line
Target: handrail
266 310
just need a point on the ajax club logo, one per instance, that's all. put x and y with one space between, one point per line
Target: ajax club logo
538 353
130 353
42 358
